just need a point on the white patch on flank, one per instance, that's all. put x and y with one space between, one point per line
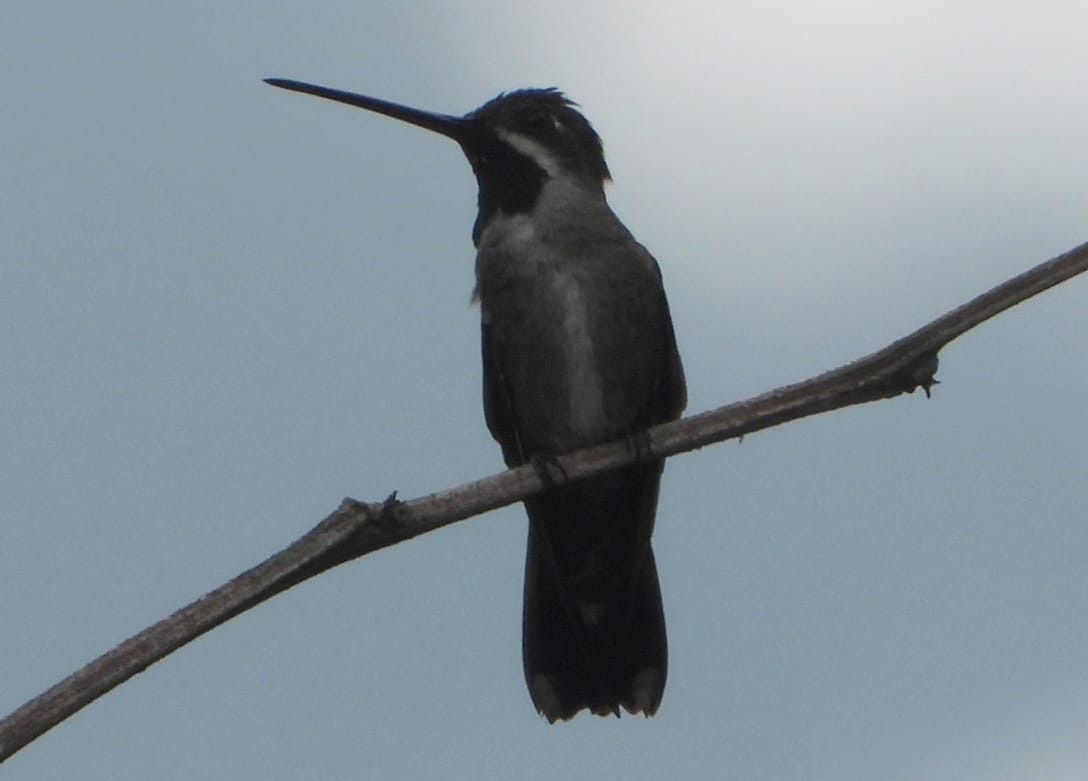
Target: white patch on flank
585 400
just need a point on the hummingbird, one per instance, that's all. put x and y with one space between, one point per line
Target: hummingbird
578 349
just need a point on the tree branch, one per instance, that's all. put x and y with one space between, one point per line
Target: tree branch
357 528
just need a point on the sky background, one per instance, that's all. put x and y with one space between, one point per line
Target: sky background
224 307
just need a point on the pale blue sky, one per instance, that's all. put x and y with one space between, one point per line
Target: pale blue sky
224 307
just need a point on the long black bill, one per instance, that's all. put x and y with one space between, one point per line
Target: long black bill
459 129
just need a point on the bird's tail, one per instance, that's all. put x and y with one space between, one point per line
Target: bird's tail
594 626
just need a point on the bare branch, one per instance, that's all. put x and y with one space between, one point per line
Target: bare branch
357 528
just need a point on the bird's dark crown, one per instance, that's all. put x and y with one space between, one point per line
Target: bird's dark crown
549 118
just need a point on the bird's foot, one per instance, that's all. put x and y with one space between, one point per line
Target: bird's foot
641 445
546 466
